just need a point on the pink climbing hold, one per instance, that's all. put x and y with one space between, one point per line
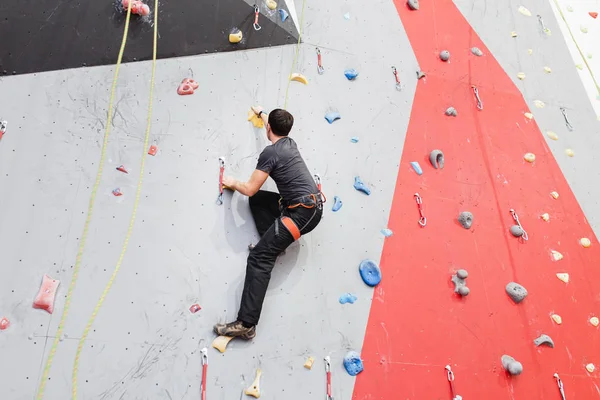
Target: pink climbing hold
191 82
4 323
195 308
45 297
137 7
185 88
144 10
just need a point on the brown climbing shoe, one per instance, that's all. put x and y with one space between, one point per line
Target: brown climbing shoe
235 329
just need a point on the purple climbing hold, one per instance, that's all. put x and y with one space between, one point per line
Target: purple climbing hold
360 186
370 272
347 298
353 363
337 204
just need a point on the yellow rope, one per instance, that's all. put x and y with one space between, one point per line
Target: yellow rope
562 15
77 266
133 214
296 56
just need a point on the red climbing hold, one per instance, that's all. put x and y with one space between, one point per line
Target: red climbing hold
185 88
122 169
195 308
4 323
191 82
45 297
137 7
593 14
153 149
117 192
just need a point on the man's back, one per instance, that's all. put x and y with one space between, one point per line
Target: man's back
283 162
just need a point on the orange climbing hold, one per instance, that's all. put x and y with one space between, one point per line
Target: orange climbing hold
593 14
45 297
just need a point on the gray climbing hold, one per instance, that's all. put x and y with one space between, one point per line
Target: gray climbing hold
544 339
436 158
451 112
516 231
413 4
460 286
516 292
476 51
444 55
420 74
465 218
511 365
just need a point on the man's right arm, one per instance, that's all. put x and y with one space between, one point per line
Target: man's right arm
258 110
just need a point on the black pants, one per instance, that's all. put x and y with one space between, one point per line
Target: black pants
275 238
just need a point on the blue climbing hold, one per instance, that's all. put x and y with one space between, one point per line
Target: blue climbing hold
360 186
387 232
337 204
347 298
370 272
351 74
332 116
416 167
353 363
354 139
283 14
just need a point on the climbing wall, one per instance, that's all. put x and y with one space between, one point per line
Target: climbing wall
184 249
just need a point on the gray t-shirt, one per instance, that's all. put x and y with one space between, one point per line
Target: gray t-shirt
283 162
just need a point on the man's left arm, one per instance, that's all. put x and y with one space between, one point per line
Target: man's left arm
249 188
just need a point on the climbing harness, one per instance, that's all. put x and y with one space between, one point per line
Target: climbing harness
328 373
255 24
564 113
546 30
422 219
204 352
221 172
398 85
560 387
450 375
479 102
320 68
516 218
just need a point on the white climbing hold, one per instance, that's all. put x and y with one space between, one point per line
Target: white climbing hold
585 242
254 389
525 11
529 157
556 318
569 9
476 51
552 135
521 75
451 112
309 363
556 256
554 195
589 56
528 115
547 70
569 152
513 34
563 276
271 4
539 103
545 217
594 321
590 368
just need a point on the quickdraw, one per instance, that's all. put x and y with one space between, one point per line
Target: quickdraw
422 219
255 24
546 30
450 375
204 370
318 181
564 113
561 388
3 125
398 85
516 218
328 373
320 68
221 173
479 102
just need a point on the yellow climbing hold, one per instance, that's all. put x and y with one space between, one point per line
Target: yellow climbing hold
563 276
545 217
525 11
594 321
299 78
528 115
552 135
589 55
254 389
590 368
539 103
236 37
255 119
530 51
583 29
309 363
547 70
579 66
556 318
529 157
569 9
271 4
556 256
220 343
554 195
585 242
569 152
521 75
513 34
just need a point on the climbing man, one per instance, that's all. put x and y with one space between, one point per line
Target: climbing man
280 218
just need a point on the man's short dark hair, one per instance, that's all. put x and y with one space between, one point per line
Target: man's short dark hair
281 122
